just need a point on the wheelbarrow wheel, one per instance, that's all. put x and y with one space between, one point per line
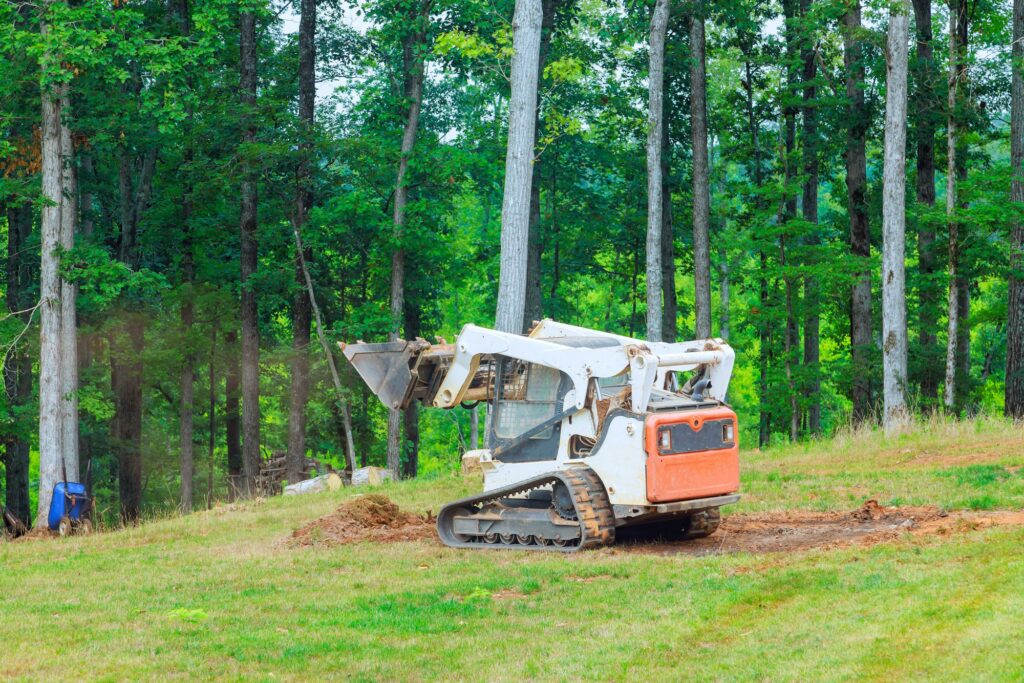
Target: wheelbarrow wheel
64 528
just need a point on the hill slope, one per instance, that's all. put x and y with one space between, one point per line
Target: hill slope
220 594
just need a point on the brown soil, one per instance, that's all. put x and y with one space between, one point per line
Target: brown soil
372 517
375 518
791 531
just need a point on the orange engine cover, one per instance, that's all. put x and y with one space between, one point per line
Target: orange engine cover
690 454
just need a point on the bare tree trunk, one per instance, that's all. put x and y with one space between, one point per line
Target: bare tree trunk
413 68
812 314
701 188
211 417
301 312
68 296
126 428
534 299
925 106
791 343
51 432
655 130
856 194
894 311
341 404
515 210
764 330
474 428
670 304
723 293
952 308
232 419
185 422
249 263
1015 310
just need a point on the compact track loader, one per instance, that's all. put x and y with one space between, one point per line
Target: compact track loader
587 432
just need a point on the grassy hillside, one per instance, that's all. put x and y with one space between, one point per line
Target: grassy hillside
219 595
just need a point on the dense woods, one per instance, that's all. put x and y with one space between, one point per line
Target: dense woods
201 199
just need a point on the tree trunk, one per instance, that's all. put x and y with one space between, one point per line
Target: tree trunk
185 422
894 312
953 300
515 210
249 260
670 304
68 312
340 405
534 299
18 366
188 370
301 311
791 343
51 432
232 419
763 326
856 198
701 189
1015 310
812 314
211 417
126 428
925 107
474 428
655 131
413 69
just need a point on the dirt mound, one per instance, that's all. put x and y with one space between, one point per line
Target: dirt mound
797 530
371 517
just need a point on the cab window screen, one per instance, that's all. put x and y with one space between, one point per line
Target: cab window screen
529 395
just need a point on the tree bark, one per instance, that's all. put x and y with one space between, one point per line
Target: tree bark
515 210
894 313
812 314
953 300
791 343
925 107
126 428
763 326
856 197
51 430
413 72
187 398
249 262
655 131
670 304
1014 393
534 308
341 405
232 418
295 461
701 187
68 296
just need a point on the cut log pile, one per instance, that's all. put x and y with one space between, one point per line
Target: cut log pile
272 476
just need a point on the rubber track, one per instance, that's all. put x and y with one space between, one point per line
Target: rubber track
593 511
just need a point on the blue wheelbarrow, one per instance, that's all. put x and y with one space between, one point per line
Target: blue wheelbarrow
69 508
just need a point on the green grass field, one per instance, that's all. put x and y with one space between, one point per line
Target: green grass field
219 595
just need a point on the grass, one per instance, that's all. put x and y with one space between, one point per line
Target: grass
216 594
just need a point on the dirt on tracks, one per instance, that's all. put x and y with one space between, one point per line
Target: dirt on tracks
796 530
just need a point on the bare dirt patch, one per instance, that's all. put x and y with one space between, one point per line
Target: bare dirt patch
371 517
798 530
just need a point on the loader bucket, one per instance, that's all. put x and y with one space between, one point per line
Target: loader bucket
386 368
